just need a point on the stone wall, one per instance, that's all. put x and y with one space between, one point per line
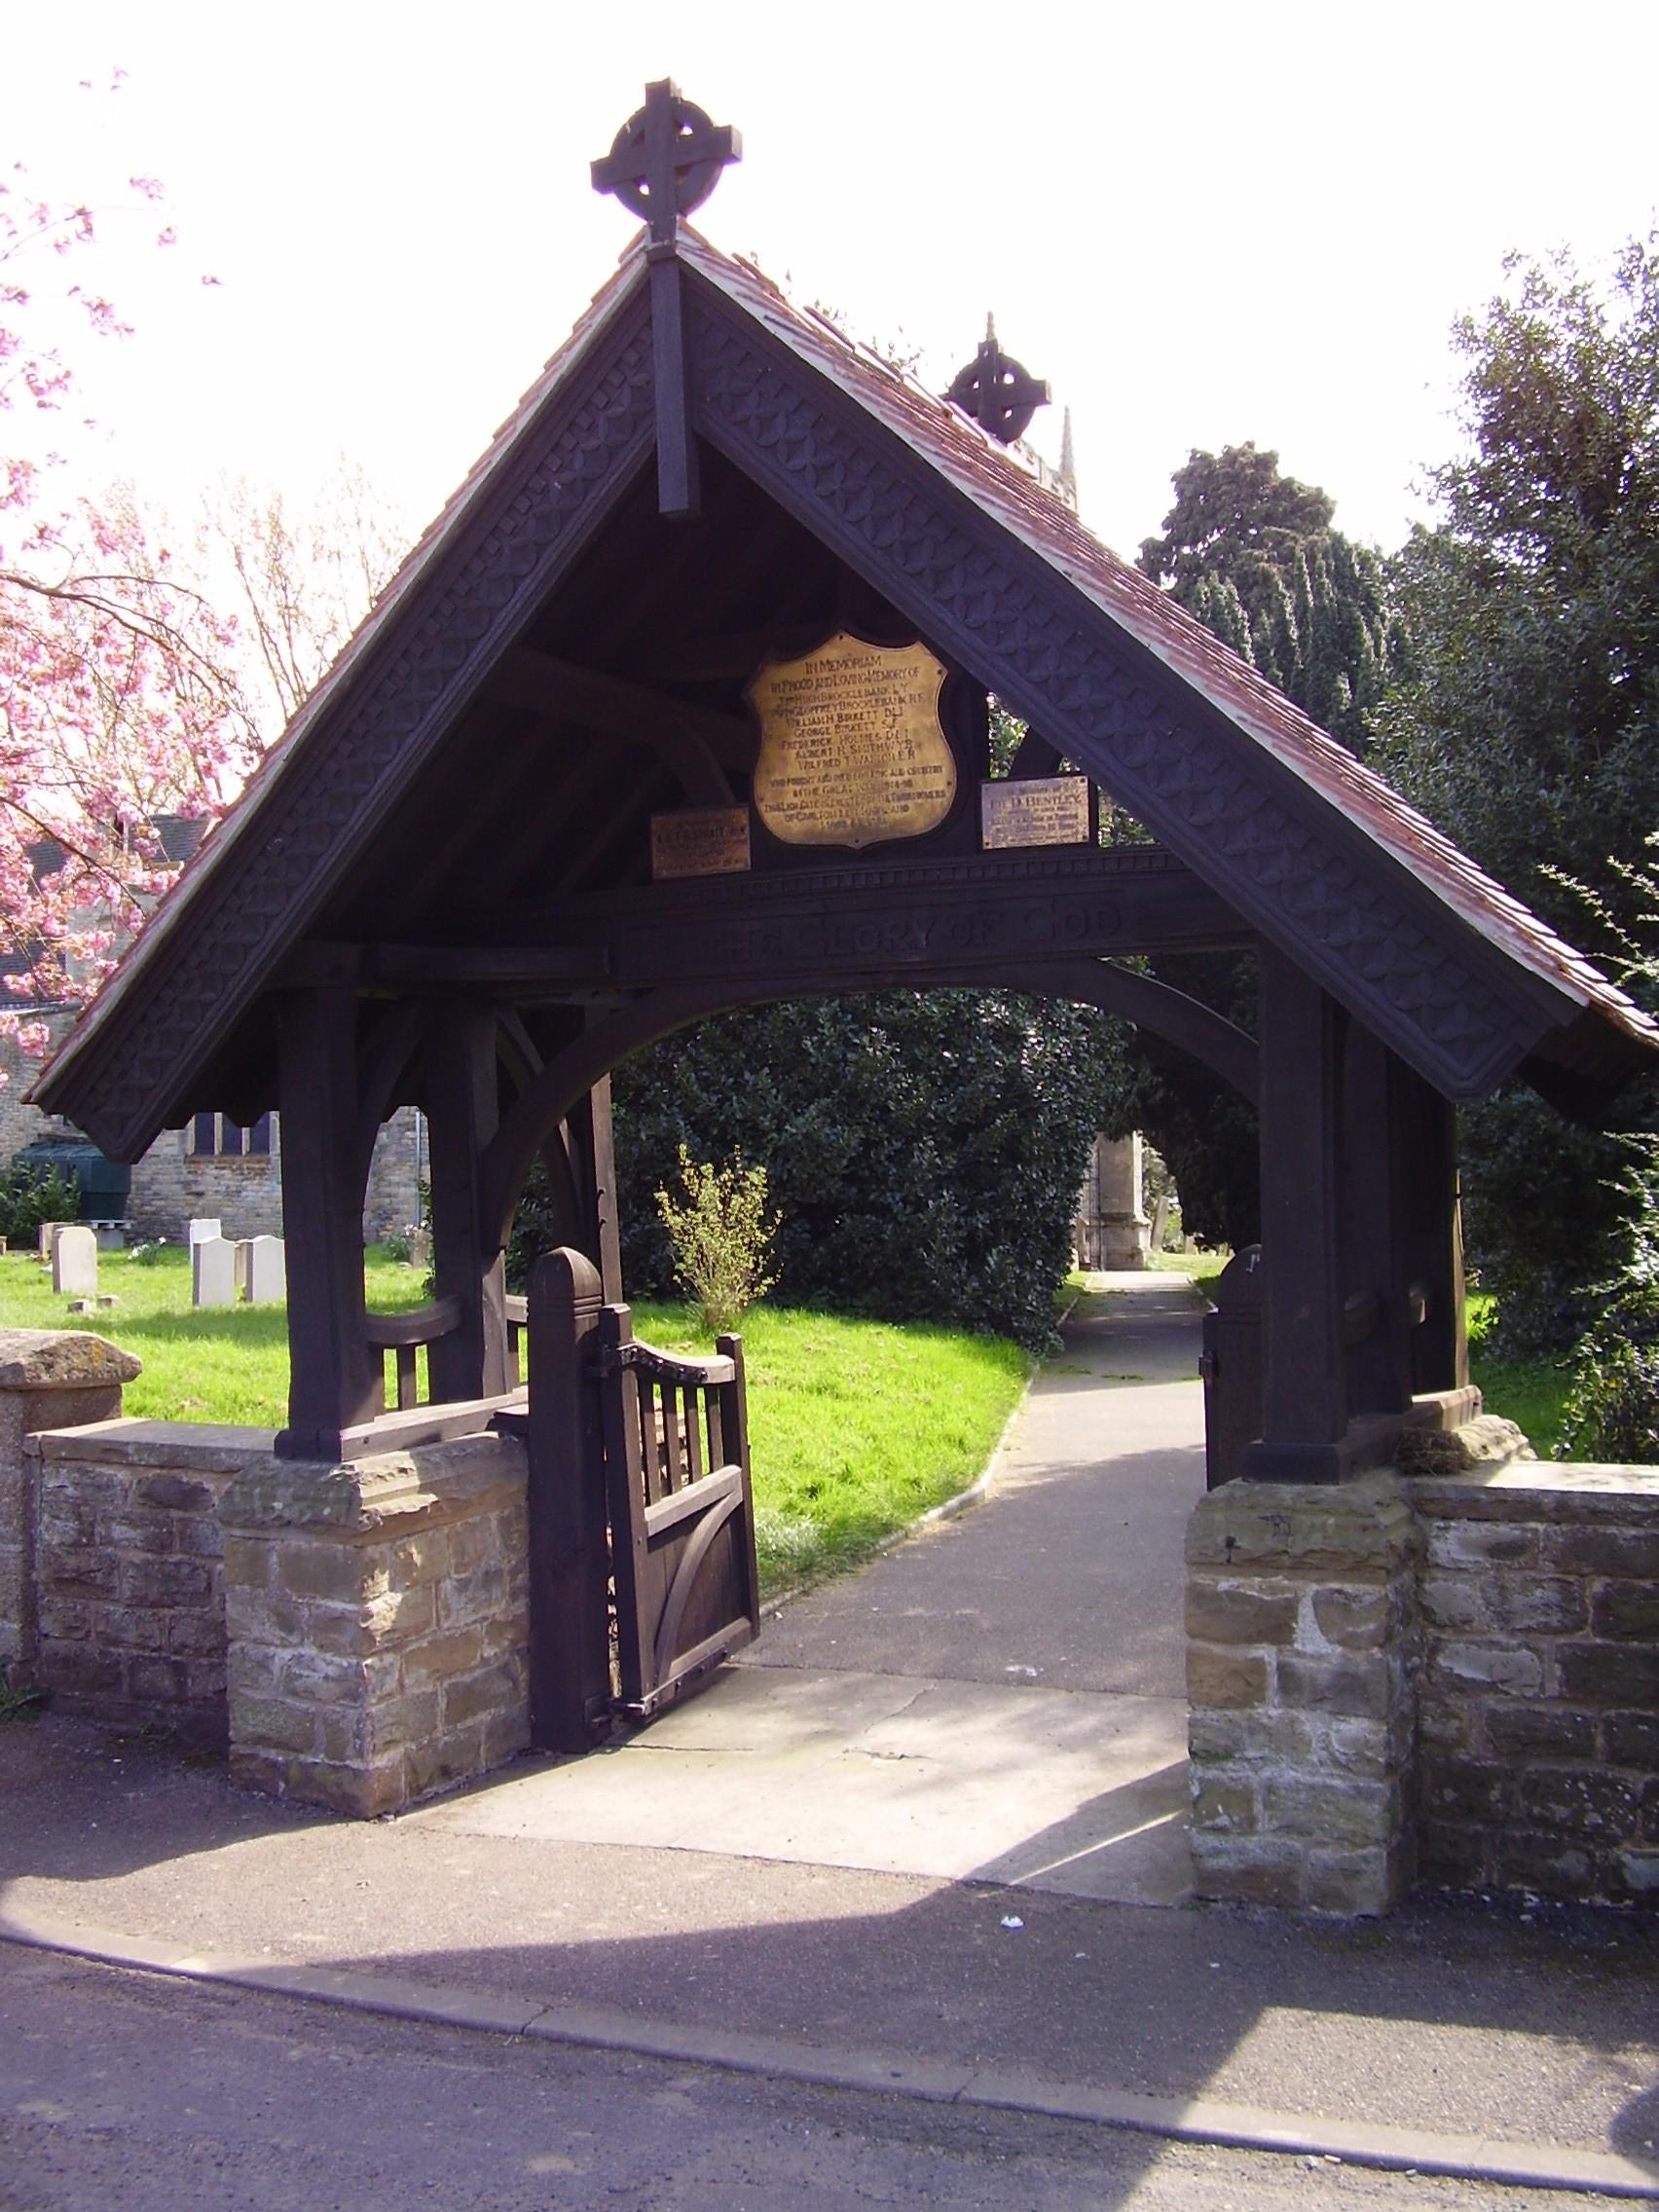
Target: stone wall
1451 1671
48 1376
130 1619
1300 1602
1539 1708
380 1623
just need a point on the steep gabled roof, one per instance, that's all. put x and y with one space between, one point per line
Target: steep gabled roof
1304 841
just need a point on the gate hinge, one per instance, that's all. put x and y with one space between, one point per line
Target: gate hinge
609 1359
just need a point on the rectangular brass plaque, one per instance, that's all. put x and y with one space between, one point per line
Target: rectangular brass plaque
851 751
1036 810
710 841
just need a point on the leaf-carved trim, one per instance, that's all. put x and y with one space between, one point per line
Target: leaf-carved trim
319 809
1203 787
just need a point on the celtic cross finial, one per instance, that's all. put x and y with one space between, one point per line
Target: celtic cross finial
666 159
997 391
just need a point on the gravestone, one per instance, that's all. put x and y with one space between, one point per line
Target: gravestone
213 1272
267 1271
241 1248
202 1229
75 1262
48 1232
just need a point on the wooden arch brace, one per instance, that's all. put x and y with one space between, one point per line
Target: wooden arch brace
1168 1013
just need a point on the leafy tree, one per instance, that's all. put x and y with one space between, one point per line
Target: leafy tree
1529 728
1253 555
115 708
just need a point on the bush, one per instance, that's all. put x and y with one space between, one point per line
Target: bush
1612 1399
721 1237
925 1149
30 1195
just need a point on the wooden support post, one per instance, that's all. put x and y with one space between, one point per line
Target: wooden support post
1377 1320
462 1109
570 1651
1304 1398
678 488
1425 1137
594 1152
333 1382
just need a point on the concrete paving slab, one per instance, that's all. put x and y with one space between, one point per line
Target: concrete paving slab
1078 1795
1070 1572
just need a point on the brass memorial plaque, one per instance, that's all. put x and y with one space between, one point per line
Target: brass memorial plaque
707 840
1035 810
851 747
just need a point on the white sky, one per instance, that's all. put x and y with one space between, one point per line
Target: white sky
1203 223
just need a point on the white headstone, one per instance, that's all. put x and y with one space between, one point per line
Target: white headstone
244 1246
266 1270
212 1272
202 1229
47 1233
75 1262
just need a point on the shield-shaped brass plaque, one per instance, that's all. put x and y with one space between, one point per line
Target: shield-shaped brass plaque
851 747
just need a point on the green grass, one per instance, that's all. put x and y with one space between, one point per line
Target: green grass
221 1363
856 1427
1531 1392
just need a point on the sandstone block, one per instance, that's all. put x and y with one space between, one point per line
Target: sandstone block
271 1723
439 1657
1509 1669
474 1597
343 1573
1359 1620
1241 1612
439 1762
1246 1870
1638 1873
1463 1789
1453 1544
1549 1604
494 1689
1633 1740
1356 1884
1451 1602
398 1723
1453 1858
1519 1732
1359 1686
1573 1802
180 1493
1248 1737
247 1562
1227 1807
1355 1814
1221 1678
79 1669
1628 1552
137 1529
1521 1859
166 1581
1628 1611
1610 1674
388 1622
153 1680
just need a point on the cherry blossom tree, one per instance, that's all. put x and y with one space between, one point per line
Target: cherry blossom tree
116 708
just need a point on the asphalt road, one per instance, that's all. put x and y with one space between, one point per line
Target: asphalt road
121 2093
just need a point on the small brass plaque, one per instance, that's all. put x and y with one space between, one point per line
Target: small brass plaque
851 747
1035 810
708 840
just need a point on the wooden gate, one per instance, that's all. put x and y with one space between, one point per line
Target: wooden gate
641 1523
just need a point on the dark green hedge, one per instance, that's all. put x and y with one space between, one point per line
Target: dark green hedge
925 1149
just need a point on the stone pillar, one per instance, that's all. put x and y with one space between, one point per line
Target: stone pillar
1301 1663
1113 1230
377 1621
49 1378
